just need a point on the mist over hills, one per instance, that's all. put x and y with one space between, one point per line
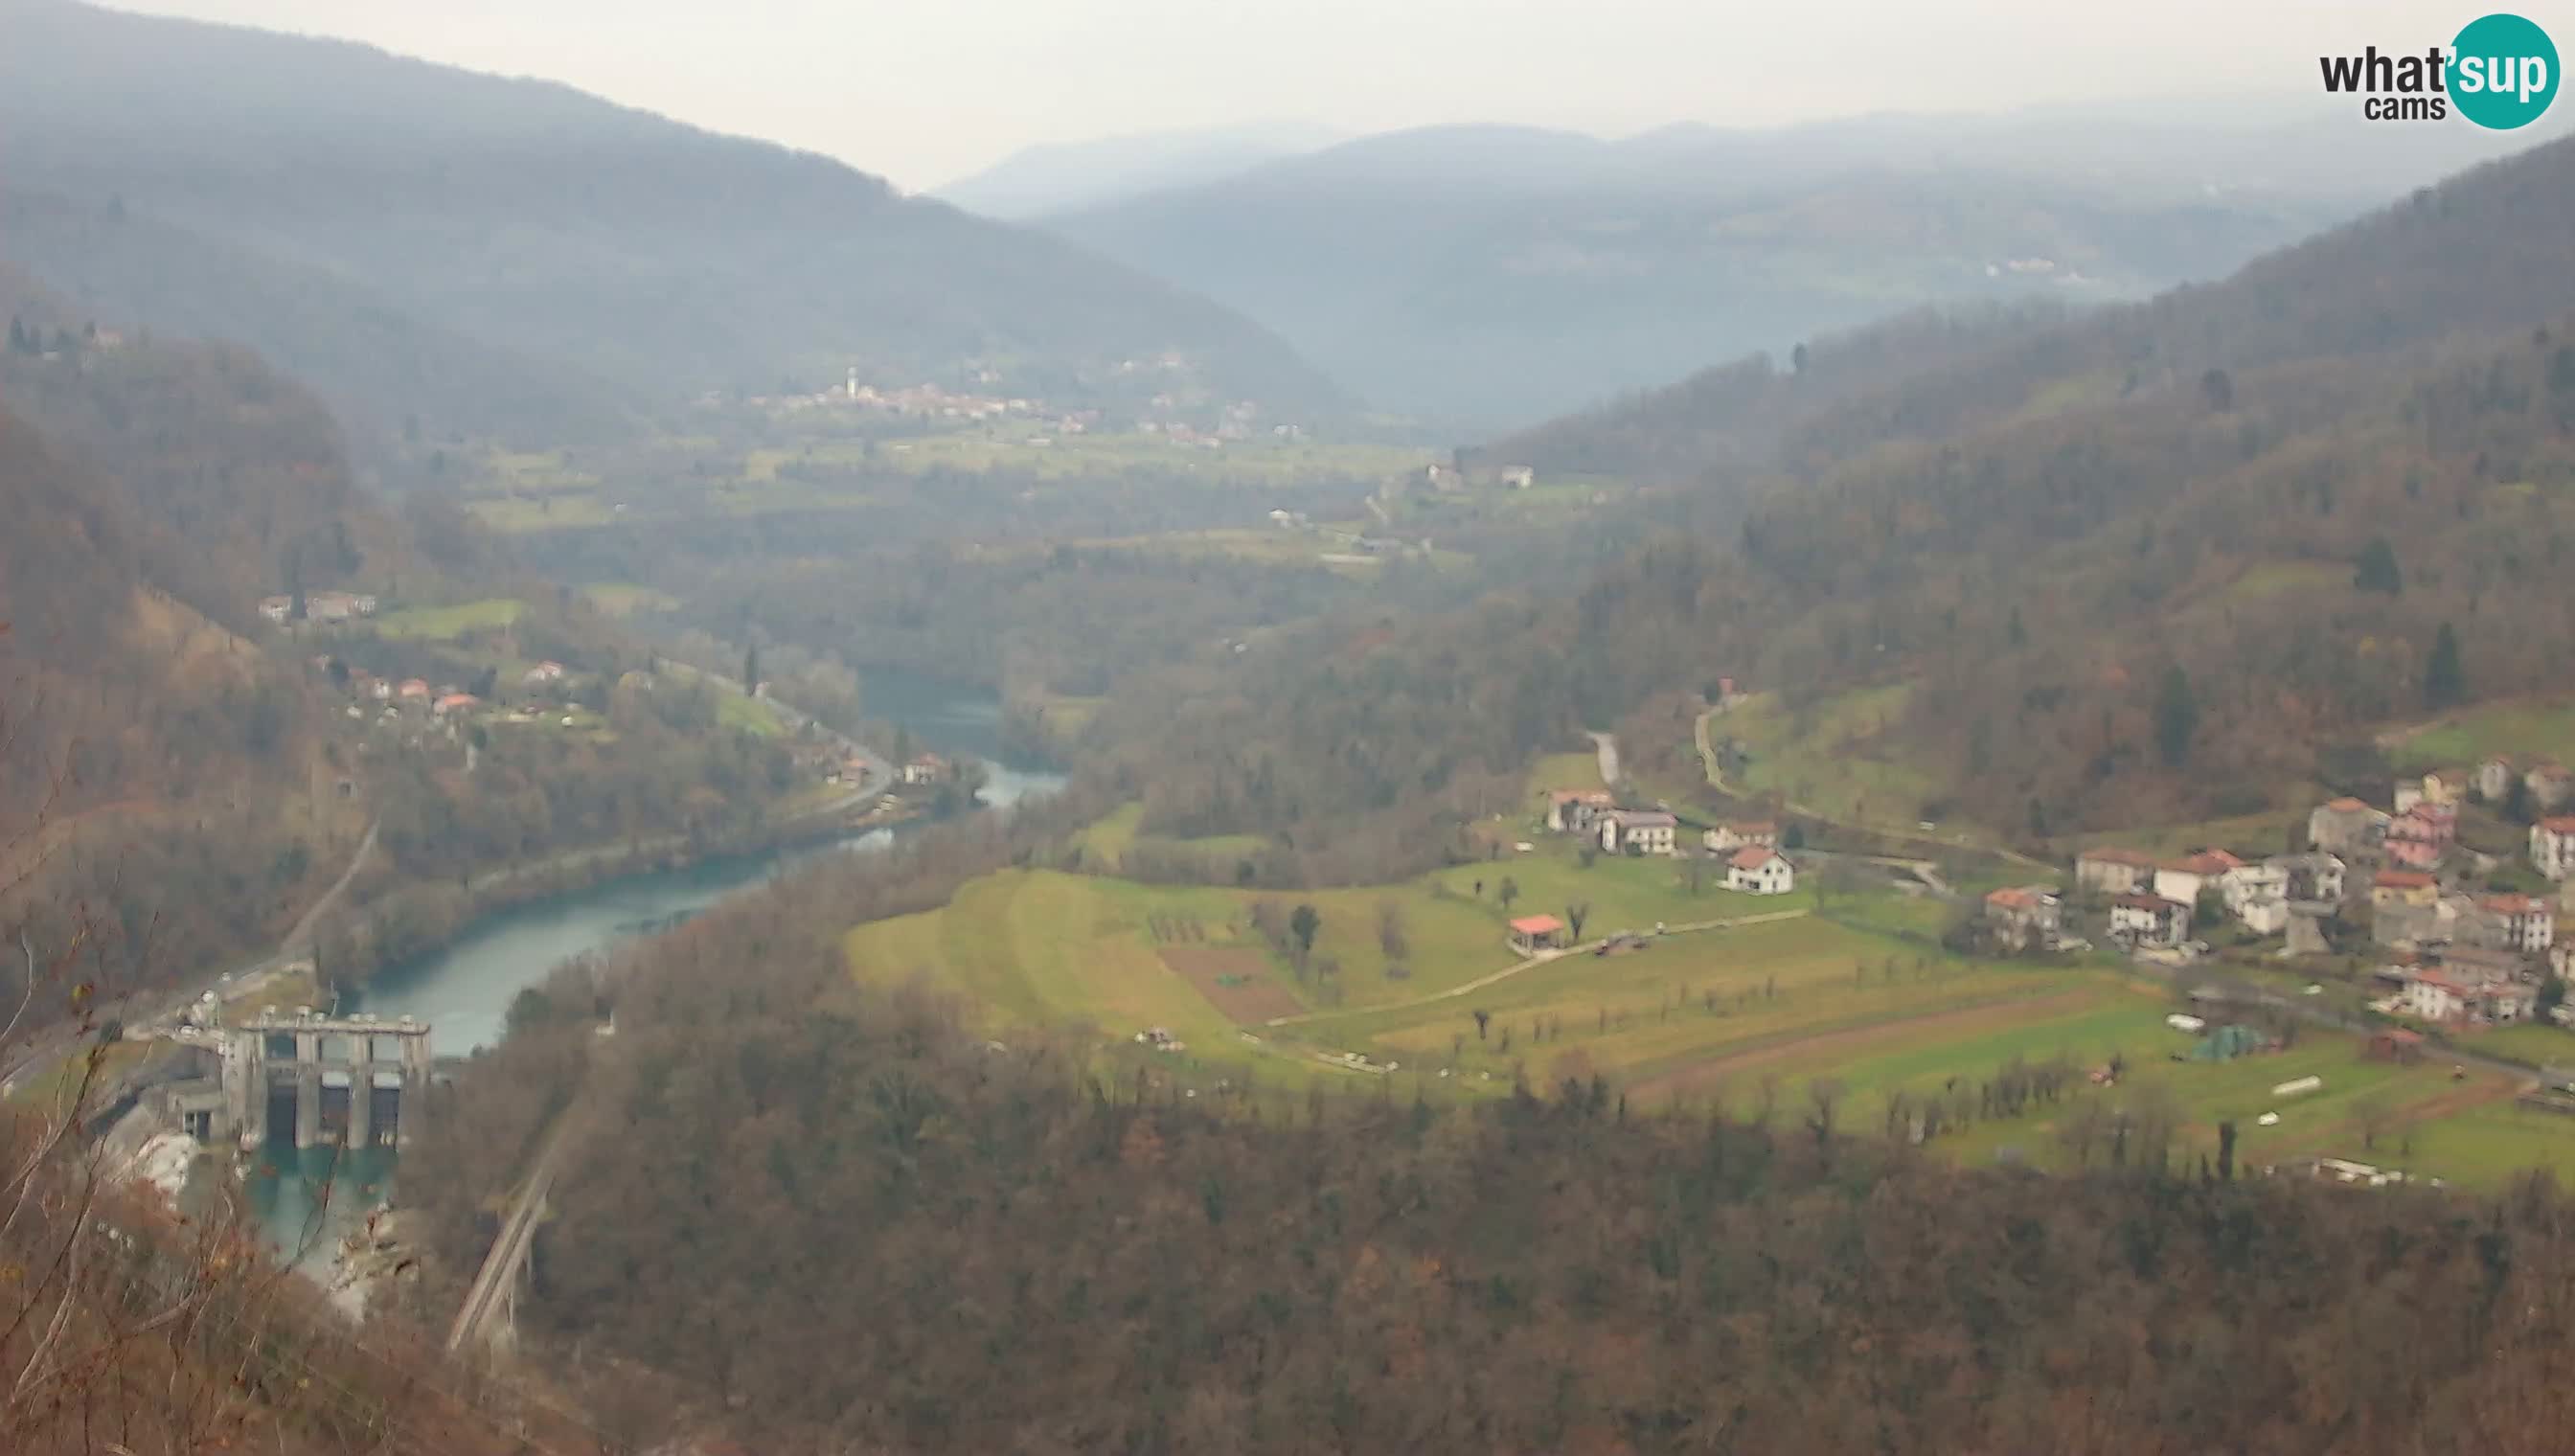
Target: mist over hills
525 255
1061 176
1488 275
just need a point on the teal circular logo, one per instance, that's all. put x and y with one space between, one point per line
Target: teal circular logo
2503 72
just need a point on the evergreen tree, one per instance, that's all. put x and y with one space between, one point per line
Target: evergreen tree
2444 685
2377 570
2176 716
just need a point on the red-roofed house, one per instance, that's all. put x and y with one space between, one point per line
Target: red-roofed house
1534 933
2525 923
2346 827
2183 879
2552 846
1760 870
2024 915
454 702
2418 837
413 688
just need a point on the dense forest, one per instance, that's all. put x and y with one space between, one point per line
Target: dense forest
856 1225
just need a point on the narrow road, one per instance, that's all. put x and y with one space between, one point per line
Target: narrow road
484 1297
1904 833
1506 973
1607 746
302 934
144 1008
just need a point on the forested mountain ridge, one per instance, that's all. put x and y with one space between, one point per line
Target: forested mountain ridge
2027 531
526 224
2040 540
1482 275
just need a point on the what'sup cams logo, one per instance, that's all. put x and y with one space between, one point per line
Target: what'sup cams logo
2500 72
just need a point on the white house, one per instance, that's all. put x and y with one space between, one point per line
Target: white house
2246 884
2264 914
276 608
2432 996
2552 846
1639 831
1735 834
2524 922
2183 879
2149 919
2495 779
1760 870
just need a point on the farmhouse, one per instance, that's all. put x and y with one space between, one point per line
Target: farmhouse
1534 933
924 769
1639 831
2346 826
1572 810
2552 846
2149 919
2114 871
2025 916
276 608
1728 837
1759 870
2183 879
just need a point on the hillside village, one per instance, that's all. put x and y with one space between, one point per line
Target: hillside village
2453 936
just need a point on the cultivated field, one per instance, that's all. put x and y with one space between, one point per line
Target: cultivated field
1751 1003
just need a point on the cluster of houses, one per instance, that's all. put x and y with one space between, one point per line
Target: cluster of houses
320 607
2455 950
1750 850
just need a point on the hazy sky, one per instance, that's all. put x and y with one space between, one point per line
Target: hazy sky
927 90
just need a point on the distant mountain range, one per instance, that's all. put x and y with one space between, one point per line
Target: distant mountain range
1484 275
450 251
1065 176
